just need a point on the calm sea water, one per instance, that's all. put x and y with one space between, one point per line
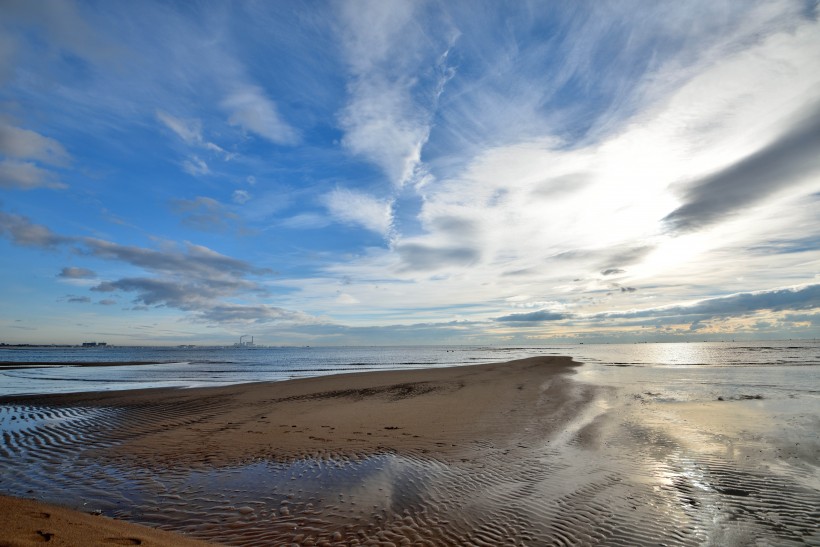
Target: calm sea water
695 367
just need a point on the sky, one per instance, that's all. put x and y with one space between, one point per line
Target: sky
378 172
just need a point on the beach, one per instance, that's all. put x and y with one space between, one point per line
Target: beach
521 452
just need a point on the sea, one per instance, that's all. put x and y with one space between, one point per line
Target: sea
766 366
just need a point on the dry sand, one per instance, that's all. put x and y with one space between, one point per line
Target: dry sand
27 522
447 415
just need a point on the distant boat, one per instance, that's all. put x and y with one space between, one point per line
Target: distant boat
245 345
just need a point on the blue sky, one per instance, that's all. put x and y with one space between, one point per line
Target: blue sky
385 172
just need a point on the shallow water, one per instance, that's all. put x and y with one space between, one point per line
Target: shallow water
678 452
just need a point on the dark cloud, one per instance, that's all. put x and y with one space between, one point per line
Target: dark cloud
195 279
787 246
612 271
203 297
417 257
72 272
107 302
803 298
784 162
533 317
628 289
196 261
21 231
236 313
193 294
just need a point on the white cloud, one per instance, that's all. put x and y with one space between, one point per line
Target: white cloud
189 131
252 111
240 196
360 209
381 125
388 116
345 298
543 219
305 221
195 166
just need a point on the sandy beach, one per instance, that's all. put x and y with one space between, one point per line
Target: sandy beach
506 453
454 414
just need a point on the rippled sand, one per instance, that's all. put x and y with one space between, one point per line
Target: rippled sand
516 453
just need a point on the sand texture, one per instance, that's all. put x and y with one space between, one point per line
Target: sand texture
519 453
30 523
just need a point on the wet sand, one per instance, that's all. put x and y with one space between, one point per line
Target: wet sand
26 522
506 453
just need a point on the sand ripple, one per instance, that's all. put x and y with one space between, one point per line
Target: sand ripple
644 489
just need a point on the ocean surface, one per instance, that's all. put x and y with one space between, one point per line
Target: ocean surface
761 366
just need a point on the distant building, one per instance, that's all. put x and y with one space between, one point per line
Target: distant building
94 344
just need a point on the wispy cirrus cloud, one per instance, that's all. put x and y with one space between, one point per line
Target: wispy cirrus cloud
388 116
250 109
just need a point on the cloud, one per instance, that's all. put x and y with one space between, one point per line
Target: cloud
189 131
25 152
203 213
78 299
195 261
305 221
21 143
419 257
27 176
532 317
107 302
202 297
805 297
788 160
360 209
388 116
22 231
240 196
252 111
381 125
195 166
197 279
73 272
63 26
